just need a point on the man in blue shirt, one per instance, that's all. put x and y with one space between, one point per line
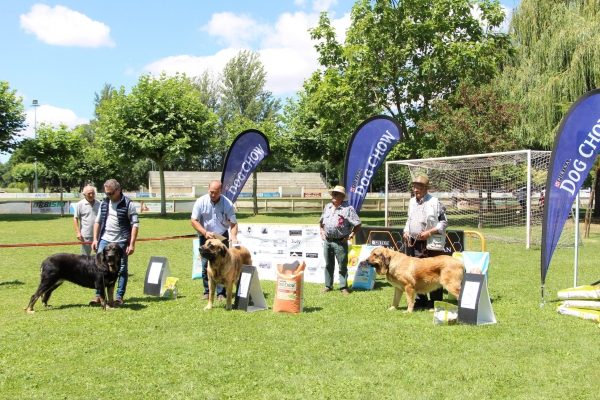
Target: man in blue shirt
213 214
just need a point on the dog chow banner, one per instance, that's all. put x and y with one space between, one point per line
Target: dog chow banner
369 145
245 153
576 145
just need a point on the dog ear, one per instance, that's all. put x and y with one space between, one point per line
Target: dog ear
223 251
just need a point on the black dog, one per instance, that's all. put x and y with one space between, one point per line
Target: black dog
97 272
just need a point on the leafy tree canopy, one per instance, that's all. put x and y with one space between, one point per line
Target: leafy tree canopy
12 117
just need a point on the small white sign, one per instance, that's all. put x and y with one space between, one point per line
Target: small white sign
154 275
469 296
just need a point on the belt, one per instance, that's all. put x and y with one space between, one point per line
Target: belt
334 239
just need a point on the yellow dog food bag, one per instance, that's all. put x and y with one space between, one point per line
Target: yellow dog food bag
170 288
289 296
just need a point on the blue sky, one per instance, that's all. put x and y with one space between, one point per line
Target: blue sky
61 53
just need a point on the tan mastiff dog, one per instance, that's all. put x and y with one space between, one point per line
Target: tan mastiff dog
224 267
416 275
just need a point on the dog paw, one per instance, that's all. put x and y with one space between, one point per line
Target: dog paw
407 311
107 308
208 307
29 311
392 308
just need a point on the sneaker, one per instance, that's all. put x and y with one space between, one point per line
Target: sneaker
221 298
95 301
118 302
325 290
204 297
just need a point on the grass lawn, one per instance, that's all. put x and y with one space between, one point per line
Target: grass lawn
340 347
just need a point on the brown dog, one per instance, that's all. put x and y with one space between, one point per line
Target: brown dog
224 267
416 275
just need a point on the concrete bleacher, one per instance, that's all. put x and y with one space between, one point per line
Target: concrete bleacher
183 181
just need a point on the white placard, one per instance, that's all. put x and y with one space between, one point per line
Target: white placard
154 275
469 295
244 285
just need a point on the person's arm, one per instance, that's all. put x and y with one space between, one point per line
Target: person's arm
96 236
77 230
131 248
234 231
354 230
201 230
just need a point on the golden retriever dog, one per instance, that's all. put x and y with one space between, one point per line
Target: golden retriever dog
416 275
224 267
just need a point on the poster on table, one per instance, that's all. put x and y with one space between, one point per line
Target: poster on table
271 245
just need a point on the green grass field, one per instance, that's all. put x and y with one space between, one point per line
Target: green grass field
339 347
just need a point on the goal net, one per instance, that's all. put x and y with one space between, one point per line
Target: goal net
500 195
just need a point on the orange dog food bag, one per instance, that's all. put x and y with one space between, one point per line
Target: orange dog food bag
289 296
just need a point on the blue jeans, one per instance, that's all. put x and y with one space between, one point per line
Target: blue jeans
336 249
123 273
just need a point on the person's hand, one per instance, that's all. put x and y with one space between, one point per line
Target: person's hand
95 245
423 235
209 235
406 235
234 239
130 249
79 236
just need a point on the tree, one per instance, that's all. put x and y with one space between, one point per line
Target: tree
558 45
12 117
400 56
161 119
26 172
473 120
58 148
245 103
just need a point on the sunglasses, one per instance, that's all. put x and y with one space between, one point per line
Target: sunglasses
109 193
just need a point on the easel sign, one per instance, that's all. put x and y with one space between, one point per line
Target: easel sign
156 276
249 290
474 305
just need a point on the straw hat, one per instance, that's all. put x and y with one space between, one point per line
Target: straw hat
339 189
422 180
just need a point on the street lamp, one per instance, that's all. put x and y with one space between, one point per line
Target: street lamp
35 105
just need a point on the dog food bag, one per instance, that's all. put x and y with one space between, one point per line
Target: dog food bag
170 288
580 292
444 313
594 315
353 260
364 278
289 295
584 304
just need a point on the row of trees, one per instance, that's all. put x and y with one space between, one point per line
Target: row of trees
456 83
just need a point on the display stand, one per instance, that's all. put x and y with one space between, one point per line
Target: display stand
474 305
156 276
249 290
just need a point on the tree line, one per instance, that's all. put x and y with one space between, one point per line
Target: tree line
444 69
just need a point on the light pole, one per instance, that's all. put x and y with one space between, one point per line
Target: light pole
35 105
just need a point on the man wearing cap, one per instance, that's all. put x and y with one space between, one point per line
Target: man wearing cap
339 223
416 231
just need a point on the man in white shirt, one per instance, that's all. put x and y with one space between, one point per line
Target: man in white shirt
214 214
84 216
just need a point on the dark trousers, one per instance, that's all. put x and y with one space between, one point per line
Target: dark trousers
221 291
420 250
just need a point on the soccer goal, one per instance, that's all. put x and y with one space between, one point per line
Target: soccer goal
500 195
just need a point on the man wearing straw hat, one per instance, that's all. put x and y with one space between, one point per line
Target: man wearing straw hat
339 222
422 207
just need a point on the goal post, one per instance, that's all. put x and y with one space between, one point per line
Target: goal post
501 195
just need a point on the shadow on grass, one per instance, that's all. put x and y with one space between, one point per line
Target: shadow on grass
7 283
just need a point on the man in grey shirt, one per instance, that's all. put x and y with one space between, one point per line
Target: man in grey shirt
84 216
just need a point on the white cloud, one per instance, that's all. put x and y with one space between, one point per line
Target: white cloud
285 48
323 5
50 115
192 65
65 27
234 30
